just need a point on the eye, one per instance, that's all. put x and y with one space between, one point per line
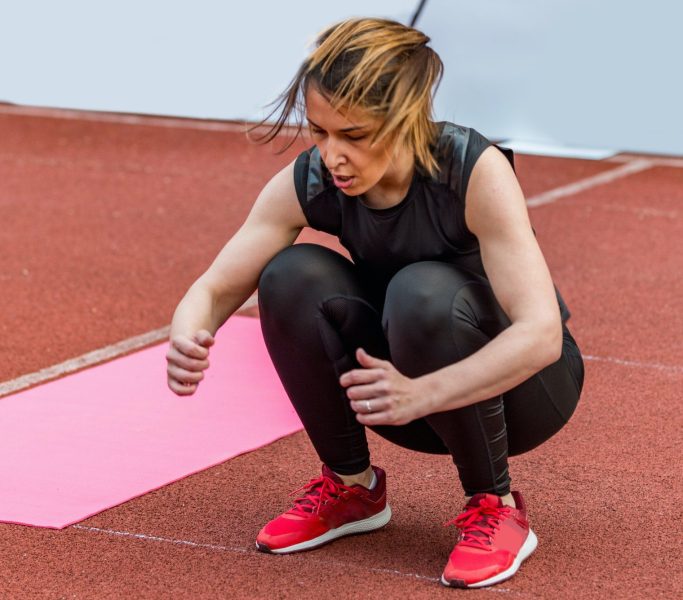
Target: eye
360 137
316 131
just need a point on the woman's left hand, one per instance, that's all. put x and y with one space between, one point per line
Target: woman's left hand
380 395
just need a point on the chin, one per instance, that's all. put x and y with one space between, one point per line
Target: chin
351 193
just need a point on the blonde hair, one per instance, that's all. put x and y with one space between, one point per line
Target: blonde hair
380 66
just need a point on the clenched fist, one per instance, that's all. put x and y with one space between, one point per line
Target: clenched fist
187 358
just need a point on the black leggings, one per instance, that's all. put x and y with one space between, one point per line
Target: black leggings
316 310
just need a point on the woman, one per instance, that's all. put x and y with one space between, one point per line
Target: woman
444 335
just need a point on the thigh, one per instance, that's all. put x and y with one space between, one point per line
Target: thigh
539 407
436 314
316 309
312 298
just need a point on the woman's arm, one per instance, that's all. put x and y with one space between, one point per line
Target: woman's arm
496 213
274 223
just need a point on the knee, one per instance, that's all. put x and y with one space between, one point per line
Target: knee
419 298
295 269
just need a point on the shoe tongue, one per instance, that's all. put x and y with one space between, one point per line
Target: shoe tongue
307 504
327 472
490 500
482 501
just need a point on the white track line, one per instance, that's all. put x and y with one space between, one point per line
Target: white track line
241 550
128 167
641 212
95 357
86 360
174 122
659 161
635 363
127 119
590 182
154 538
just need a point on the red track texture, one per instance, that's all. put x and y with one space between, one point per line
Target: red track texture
104 227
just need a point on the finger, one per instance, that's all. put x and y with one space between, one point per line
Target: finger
182 389
189 348
389 416
204 338
182 375
178 359
360 376
377 405
383 417
368 361
368 392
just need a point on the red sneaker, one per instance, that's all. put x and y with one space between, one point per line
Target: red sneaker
327 510
494 540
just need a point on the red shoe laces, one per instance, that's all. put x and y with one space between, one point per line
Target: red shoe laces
478 524
318 492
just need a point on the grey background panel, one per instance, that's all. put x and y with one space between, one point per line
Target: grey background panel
199 58
568 72
576 72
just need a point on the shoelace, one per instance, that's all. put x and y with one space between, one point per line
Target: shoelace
478 524
317 492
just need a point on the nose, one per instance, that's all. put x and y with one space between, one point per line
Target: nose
332 153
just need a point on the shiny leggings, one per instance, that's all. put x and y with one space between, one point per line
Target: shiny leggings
315 311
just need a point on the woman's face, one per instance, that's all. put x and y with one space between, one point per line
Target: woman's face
343 139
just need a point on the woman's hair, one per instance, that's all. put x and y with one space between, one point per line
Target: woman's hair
377 65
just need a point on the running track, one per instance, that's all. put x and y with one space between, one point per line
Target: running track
107 220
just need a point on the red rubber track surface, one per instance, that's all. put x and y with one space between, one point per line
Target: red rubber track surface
104 227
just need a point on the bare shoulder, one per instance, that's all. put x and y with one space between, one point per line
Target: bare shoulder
277 202
497 214
494 197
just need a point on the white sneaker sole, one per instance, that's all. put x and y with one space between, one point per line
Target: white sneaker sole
525 551
363 526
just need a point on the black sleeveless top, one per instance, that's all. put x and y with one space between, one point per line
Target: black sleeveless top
428 224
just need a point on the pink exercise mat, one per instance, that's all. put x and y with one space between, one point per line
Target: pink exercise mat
79 445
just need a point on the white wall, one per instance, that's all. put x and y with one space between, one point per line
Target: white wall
592 73
199 58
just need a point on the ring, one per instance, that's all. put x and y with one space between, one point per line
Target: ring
367 406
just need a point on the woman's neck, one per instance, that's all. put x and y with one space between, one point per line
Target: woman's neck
395 183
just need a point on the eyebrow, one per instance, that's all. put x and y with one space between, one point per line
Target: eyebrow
345 130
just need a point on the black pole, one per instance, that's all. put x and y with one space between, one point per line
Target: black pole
416 14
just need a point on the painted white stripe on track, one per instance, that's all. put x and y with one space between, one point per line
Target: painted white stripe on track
241 550
582 185
154 538
86 360
128 119
658 161
642 212
95 357
178 122
635 363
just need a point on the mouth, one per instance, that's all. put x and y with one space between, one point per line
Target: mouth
343 181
